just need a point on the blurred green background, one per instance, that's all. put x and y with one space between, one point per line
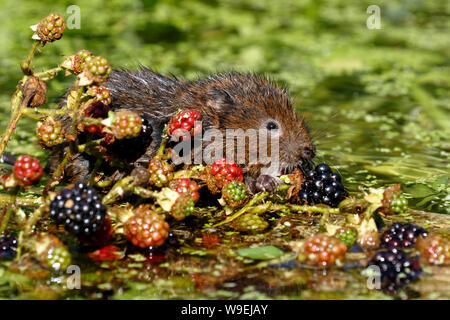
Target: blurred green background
377 101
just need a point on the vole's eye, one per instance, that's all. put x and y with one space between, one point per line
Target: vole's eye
272 125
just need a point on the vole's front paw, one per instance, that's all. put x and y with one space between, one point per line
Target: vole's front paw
267 183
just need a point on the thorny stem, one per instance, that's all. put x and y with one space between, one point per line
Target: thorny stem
48 74
41 113
122 187
32 220
17 104
58 174
276 207
11 208
11 127
97 165
162 146
27 202
32 51
78 91
145 193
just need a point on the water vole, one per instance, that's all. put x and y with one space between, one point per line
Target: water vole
225 101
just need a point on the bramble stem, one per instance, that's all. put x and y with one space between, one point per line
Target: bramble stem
162 146
11 208
58 175
78 91
119 190
42 113
31 53
97 165
145 193
31 222
48 74
26 202
276 207
11 127
295 207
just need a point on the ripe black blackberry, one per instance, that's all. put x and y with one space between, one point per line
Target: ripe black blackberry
8 247
402 235
79 209
322 185
397 269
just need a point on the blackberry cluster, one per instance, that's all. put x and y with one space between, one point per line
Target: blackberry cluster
402 235
397 269
322 185
79 209
250 222
235 194
8 247
323 251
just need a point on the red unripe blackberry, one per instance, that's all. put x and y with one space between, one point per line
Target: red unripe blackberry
224 171
161 172
79 210
97 110
401 235
51 28
433 249
50 132
185 185
181 126
397 269
323 251
146 228
106 253
100 93
27 170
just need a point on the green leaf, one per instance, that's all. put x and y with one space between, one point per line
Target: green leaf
260 253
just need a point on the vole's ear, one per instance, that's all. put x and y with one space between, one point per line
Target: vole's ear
219 99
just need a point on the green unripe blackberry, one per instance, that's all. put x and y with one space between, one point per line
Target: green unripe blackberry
50 132
250 222
161 172
58 258
51 28
399 203
183 207
99 66
235 194
347 235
